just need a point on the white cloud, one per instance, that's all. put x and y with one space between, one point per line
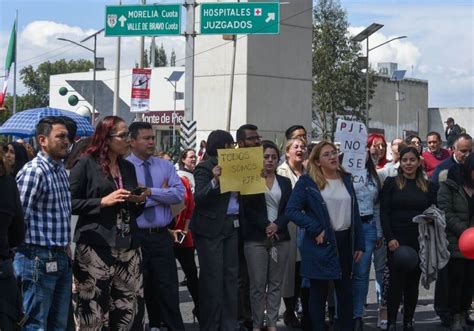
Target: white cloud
38 43
442 36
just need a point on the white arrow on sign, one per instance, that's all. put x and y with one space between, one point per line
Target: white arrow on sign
122 20
270 17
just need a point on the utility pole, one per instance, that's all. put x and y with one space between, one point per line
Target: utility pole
231 87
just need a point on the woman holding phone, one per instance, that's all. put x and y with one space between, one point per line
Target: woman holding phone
184 245
108 281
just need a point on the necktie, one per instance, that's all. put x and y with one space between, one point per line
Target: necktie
149 212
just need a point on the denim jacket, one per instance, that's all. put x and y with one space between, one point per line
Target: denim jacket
369 202
307 209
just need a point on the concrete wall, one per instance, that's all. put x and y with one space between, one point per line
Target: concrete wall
272 86
464 116
383 111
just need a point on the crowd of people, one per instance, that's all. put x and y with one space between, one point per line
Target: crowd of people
309 239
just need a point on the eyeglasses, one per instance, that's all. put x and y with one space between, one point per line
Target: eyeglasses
121 136
254 138
328 155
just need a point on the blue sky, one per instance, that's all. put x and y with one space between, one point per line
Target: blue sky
439 47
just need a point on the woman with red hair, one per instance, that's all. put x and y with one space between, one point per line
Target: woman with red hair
378 149
108 282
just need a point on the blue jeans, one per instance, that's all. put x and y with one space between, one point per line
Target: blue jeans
46 296
380 263
360 277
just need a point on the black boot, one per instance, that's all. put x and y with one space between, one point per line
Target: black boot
358 324
408 325
391 326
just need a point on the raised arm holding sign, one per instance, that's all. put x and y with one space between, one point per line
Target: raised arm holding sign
241 170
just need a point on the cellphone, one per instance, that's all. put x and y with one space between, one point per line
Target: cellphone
138 190
180 237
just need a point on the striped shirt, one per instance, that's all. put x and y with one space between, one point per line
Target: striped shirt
46 198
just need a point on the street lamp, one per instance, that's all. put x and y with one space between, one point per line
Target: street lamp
364 35
173 80
93 50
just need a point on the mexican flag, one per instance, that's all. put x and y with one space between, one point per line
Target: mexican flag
9 59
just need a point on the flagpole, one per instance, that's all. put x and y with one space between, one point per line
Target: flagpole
14 65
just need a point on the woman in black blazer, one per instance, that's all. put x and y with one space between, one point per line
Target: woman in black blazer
108 281
215 224
266 238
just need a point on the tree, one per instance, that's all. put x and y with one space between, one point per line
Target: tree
146 63
338 83
36 82
173 58
161 60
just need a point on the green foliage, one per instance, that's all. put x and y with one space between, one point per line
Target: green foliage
339 85
146 63
161 60
37 80
173 58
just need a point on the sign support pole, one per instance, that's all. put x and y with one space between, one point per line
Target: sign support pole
190 35
117 76
142 52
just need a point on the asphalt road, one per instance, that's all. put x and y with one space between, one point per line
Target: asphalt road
425 317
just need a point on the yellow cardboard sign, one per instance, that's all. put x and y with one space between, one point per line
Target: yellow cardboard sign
241 170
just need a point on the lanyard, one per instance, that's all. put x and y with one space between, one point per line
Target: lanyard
118 182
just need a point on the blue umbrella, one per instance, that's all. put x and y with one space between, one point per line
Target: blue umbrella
23 124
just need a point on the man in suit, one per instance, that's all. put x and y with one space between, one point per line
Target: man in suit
247 136
214 225
165 188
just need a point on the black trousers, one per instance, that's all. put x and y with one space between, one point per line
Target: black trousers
185 256
11 310
461 283
160 278
244 310
319 289
218 279
402 283
441 295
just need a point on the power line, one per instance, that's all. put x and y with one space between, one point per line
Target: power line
22 62
186 57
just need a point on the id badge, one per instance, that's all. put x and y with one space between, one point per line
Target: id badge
236 224
51 267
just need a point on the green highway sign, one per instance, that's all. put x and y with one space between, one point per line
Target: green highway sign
240 18
143 20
